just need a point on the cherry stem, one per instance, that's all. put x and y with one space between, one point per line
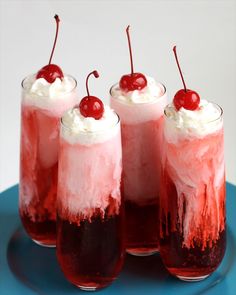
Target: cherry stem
96 75
176 58
130 50
55 40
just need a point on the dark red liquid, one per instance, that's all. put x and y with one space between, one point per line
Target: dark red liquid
39 216
141 228
41 232
203 256
193 262
91 254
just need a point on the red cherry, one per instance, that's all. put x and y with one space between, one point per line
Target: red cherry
185 98
50 72
91 106
133 81
188 99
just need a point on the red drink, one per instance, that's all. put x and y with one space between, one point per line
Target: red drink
40 120
90 244
141 129
90 253
192 204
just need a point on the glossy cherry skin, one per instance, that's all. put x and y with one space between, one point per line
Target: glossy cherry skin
131 82
91 106
50 73
187 99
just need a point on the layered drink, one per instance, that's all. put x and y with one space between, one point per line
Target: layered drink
192 206
45 97
141 113
42 106
140 101
192 203
90 242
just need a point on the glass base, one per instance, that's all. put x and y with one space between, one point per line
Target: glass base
141 251
86 288
192 279
44 244
92 286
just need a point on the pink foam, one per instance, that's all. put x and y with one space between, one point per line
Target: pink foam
141 160
196 169
89 178
39 157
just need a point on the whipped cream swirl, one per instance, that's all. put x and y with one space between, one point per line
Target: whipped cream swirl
86 130
198 123
149 93
51 96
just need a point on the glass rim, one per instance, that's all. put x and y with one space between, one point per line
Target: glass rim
207 122
140 103
88 131
66 92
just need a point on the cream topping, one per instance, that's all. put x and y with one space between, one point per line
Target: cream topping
87 130
197 123
149 93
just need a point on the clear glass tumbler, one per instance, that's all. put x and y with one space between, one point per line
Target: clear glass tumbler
90 238
192 203
40 125
141 130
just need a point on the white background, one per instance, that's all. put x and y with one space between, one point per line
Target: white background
92 36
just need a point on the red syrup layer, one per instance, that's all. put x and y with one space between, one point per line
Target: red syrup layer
192 228
193 262
38 174
90 250
42 232
141 228
203 256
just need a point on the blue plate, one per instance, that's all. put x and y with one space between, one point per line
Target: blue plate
27 269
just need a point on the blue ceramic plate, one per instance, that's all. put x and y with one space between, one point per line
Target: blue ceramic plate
26 268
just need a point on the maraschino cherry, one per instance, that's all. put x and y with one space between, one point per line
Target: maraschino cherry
91 106
51 71
185 98
133 81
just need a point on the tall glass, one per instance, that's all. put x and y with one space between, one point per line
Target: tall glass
90 242
141 129
40 122
192 203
